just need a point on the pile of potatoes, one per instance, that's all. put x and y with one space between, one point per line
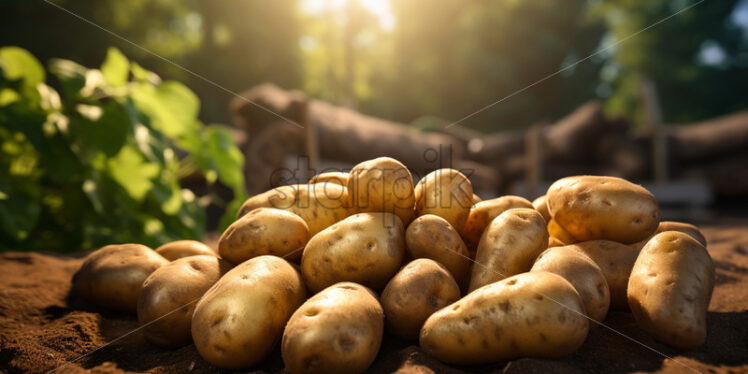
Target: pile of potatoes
324 268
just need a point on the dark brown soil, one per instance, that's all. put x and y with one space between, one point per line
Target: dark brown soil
43 328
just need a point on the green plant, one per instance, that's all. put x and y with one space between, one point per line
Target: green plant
100 159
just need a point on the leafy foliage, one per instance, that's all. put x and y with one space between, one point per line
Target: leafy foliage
101 160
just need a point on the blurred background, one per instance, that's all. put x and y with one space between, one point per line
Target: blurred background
421 65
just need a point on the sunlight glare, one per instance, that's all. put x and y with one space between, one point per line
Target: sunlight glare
381 9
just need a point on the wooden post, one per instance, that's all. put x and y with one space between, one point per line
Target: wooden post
533 160
311 144
657 130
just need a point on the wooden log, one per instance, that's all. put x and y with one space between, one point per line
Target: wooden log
710 138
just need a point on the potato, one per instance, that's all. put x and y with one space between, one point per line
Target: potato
509 246
484 212
338 330
170 294
685 228
582 273
541 205
592 208
535 314
559 233
431 236
417 291
112 276
670 289
382 185
184 248
264 231
239 320
476 199
446 193
615 260
554 242
319 205
335 177
363 248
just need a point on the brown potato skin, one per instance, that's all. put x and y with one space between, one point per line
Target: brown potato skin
509 246
431 236
484 212
338 330
476 199
239 320
603 208
112 276
446 193
319 205
382 185
176 285
366 248
537 314
184 248
336 177
418 290
264 231
616 261
670 289
541 205
556 231
683 227
582 273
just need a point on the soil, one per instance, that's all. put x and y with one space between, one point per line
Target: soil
43 327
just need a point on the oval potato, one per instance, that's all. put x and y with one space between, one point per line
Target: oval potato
112 276
418 290
239 320
609 208
559 233
685 228
484 212
541 205
336 177
264 231
616 261
184 248
338 330
366 248
535 314
431 236
170 294
382 185
509 246
670 289
446 193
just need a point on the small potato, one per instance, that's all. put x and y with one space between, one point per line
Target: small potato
541 205
184 248
382 185
420 288
335 177
484 212
509 246
446 193
615 260
338 330
554 242
670 289
239 320
319 205
592 208
685 228
170 294
431 236
476 199
264 231
559 233
112 276
582 273
366 248
535 314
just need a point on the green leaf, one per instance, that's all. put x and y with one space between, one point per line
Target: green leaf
102 128
220 154
132 172
171 107
71 75
115 67
143 75
18 64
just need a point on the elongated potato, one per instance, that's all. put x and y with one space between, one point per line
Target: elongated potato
184 248
616 261
418 290
484 212
670 289
170 294
338 330
319 205
335 177
241 318
446 193
559 233
382 185
431 236
112 276
582 273
366 248
509 246
685 228
592 208
264 231
535 314
541 205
